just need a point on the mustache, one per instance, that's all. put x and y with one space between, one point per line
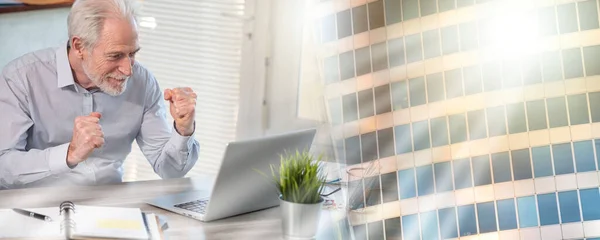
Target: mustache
116 76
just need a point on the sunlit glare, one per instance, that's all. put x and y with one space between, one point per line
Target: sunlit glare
148 22
514 35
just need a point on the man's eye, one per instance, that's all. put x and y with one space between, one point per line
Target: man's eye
115 56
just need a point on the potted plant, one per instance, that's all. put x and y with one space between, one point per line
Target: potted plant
300 182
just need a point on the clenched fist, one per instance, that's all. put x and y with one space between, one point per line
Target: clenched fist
183 109
87 136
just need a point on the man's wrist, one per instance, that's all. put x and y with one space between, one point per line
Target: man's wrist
57 159
185 131
70 157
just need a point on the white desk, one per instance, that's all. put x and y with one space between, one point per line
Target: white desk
265 224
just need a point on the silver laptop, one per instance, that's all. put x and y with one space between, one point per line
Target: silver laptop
238 187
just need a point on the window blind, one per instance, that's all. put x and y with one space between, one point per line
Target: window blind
197 44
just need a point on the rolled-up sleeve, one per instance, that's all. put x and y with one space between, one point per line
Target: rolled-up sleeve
19 166
170 154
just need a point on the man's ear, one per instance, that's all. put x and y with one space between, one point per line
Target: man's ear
77 46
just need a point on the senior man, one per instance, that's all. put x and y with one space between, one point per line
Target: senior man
70 114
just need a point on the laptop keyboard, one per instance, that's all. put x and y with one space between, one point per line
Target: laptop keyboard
198 206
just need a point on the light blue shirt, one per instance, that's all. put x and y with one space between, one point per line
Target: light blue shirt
39 101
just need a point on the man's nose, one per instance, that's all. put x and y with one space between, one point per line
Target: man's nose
125 66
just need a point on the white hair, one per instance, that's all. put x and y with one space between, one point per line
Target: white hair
87 17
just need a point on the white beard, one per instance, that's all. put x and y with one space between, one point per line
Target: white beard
103 83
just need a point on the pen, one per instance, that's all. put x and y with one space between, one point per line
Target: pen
334 181
32 214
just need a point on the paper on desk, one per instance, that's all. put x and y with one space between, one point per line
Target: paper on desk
90 222
109 222
152 221
163 222
14 225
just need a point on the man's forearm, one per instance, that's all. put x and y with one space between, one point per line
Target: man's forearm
21 167
178 157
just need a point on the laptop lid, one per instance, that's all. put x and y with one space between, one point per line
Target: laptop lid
239 187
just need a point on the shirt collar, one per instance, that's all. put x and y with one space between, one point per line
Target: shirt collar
63 67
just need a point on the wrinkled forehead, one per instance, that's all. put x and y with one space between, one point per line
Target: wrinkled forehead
119 34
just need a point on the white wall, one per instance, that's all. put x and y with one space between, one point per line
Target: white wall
290 70
284 72
24 32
